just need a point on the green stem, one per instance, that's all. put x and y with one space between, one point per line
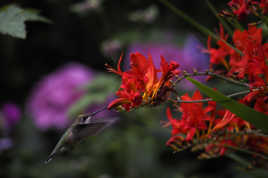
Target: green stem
238 159
185 75
247 151
201 28
237 25
265 20
223 22
210 99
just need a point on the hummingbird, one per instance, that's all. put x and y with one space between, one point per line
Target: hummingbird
83 126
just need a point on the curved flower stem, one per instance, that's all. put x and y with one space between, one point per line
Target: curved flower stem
186 74
238 159
210 99
246 151
223 22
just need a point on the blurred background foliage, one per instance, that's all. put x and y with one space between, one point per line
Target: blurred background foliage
92 33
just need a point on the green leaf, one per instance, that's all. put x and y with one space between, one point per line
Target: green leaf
12 20
258 119
98 90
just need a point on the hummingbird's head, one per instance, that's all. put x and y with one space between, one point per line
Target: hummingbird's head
84 119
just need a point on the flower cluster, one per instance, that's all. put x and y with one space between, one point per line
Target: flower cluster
10 115
205 127
141 84
214 130
249 64
54 95
242 8
202 123
190 56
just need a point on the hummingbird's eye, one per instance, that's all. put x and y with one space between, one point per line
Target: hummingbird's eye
85 119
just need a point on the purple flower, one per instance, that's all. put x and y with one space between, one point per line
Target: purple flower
189 57
193 58
5 143
11 114
54 94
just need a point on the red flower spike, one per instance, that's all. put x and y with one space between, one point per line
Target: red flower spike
241 8
140 84
174 123
118 71
218 128
227 118
264 6
253 62
193 119
217 56
261 104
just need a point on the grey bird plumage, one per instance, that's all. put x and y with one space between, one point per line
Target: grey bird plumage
82 127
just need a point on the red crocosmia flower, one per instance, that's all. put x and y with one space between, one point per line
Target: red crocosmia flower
258 99
258 143
245 40
213 130
193 118
261 104
193 114
241 8
264 6
141 84
231 122
217 56
227 118
253 61
175 139
174 123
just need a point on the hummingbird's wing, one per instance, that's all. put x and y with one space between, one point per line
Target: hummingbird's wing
83 127
92 127
81 131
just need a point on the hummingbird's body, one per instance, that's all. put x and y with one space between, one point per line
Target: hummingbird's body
82 127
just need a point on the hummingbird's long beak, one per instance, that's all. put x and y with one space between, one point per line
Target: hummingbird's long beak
98 111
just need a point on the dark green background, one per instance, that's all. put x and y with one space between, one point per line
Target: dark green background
135 146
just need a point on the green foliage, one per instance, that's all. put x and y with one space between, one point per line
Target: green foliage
12 20
97 92
258 119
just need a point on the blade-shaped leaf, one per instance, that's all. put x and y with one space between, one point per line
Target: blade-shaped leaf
258 119
12 20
